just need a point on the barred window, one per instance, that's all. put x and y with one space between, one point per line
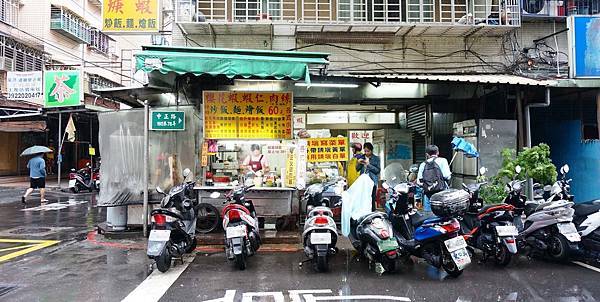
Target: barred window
9 11
16 56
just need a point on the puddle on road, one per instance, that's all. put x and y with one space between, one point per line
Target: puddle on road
56 205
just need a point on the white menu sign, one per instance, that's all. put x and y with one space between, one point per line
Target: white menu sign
25 86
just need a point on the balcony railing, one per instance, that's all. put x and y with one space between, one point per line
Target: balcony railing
99 41
560 8
467 12
71 25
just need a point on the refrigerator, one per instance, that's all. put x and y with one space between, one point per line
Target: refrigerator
490 137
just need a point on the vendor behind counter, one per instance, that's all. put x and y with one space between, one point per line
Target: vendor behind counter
255 161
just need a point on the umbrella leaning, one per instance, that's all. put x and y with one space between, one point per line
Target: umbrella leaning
35 150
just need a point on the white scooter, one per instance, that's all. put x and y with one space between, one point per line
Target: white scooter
319 237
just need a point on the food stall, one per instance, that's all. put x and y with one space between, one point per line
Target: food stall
248 141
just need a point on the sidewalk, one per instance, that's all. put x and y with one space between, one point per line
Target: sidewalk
23 182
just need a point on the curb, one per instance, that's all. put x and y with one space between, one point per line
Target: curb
210 249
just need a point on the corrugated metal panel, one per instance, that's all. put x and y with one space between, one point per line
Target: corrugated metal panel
416 120
479 78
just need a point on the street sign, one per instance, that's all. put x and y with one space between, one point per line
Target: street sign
63 88
167 121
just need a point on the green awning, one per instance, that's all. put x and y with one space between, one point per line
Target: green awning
230 62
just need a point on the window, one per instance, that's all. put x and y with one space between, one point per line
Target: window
9 11
16 56
99 41
590 132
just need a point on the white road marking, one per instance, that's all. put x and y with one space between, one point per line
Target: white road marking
295 294
229 297
587 266
277 296
157 284
311 298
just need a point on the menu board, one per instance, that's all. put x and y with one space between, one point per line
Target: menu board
327 149
247 115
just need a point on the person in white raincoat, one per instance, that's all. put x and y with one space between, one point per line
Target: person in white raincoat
356 201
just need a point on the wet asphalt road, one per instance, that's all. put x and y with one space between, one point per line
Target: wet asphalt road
209 277
80 269
75 269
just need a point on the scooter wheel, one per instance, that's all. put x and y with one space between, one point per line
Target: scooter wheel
163 261
208 218
321 263
449 266
558 248
240 261
192 245
503 256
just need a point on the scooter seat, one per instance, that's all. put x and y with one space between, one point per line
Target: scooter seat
585 209
418 218
530 208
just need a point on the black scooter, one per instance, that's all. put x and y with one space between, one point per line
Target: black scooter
373 237
174 224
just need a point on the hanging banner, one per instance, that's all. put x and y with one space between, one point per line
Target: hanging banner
301 164
63 88
204 154
291 165
247 115
130 16
327 149
299 120
25 86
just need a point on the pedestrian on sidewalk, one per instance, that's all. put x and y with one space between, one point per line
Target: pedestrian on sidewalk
37 175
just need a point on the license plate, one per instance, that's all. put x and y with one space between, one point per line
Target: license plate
387 245
320 238
159 235
569 231
506 230
72 183
461 257
238 231
455 243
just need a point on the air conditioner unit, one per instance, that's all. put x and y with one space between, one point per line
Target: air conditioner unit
549 8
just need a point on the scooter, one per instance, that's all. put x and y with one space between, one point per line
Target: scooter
489 228
242 237
327 194
548 229
81 179
586 217
435 239
319 237
372 235
173 228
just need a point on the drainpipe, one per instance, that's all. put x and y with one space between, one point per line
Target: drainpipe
545 104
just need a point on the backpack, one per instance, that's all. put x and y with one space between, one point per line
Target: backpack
433 180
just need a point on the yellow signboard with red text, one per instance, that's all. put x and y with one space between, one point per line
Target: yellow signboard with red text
130 16
327 149
247 115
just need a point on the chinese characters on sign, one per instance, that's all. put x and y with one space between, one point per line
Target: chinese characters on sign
130 15
167 120
26 86
62 88
291 167
327 149
237 114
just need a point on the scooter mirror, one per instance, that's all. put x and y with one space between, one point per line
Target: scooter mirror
482 171
159 190
215 195
564 169
186 172
385 185
518 169
414 168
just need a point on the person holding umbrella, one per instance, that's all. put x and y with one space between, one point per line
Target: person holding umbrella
37 171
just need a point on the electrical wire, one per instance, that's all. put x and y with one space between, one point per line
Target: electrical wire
75 56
